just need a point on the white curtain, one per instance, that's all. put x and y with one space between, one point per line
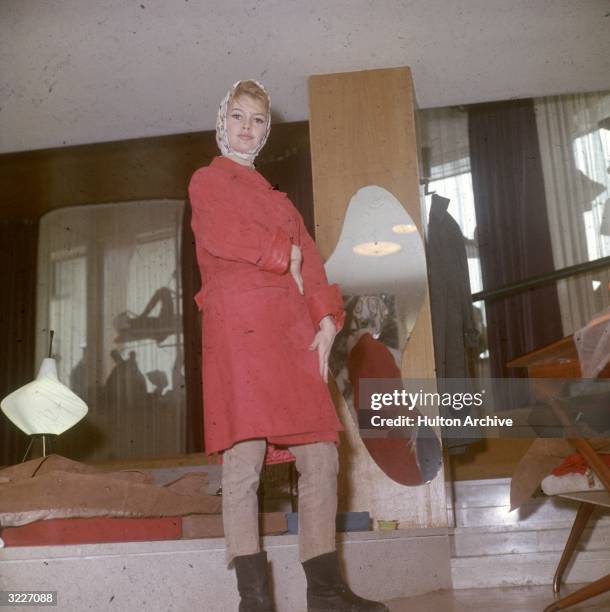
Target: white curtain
109 287
575 152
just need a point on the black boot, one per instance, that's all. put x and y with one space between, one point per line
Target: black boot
252 583
326 590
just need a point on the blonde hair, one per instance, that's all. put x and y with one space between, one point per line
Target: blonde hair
250 88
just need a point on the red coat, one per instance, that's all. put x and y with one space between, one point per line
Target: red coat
260 380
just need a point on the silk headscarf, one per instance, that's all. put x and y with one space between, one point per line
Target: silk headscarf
222 138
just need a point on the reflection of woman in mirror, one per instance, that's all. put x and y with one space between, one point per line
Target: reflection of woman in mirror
370 357
269 321
364 314
374 314
367 355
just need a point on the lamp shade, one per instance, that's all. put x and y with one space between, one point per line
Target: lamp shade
45 405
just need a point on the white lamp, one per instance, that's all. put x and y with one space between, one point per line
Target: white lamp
44 406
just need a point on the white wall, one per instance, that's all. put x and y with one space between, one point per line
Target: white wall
79 71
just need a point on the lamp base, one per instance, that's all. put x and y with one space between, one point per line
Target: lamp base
46 444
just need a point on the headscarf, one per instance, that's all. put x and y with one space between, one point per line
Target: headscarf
222 138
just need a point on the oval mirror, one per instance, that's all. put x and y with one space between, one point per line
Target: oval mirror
380 265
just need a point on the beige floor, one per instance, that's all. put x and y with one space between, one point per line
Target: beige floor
513 599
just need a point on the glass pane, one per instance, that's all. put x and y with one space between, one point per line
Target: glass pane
108 285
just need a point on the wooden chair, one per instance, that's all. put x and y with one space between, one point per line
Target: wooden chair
560 360
588 500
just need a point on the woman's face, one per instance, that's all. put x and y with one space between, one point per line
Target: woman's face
246 123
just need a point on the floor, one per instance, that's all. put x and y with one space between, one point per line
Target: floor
513 599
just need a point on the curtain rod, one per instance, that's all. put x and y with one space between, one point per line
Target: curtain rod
540 280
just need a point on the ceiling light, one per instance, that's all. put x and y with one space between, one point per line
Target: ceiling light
376 249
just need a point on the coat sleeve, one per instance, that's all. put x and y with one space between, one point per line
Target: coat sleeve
322 299
221 227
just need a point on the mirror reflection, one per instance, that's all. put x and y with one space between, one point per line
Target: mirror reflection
380 265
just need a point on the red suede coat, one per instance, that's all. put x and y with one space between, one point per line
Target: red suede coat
260 380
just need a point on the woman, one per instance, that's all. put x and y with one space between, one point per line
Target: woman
269 321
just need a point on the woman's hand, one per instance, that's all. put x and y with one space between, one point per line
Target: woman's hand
323 341
296 259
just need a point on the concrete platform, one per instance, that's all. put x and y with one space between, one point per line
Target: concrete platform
185 576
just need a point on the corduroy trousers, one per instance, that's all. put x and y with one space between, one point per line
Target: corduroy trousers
318 466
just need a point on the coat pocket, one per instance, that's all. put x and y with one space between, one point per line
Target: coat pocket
298 329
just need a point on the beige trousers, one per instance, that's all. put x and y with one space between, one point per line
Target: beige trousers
318 466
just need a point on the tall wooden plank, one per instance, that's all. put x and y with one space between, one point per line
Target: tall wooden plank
363 132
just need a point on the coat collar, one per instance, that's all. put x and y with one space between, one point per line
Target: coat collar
249 175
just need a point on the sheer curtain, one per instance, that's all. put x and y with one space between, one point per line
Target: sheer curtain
575 152
109 285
